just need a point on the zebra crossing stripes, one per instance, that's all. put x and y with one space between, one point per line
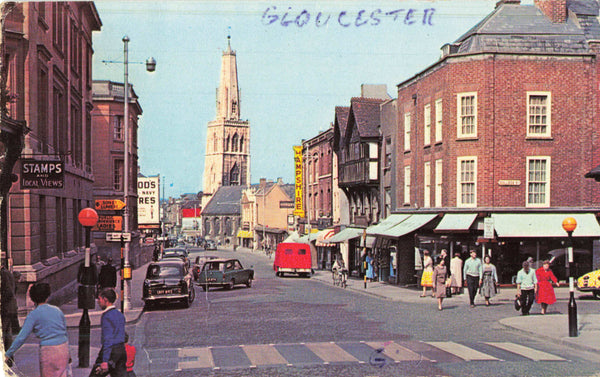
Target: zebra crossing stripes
465 353
203 358
527 352
330 352
396 352
263 354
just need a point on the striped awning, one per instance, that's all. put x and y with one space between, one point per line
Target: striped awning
323 237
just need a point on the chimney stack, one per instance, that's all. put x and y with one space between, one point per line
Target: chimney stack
262 183
555 10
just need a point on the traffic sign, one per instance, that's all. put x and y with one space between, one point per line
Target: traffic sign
109 205
110 237
109 224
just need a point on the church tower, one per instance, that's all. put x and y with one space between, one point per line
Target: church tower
227 161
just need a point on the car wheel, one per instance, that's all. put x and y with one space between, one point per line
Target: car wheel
249 283
205 287
230 285
192 296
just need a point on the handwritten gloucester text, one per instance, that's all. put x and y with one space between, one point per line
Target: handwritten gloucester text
346 19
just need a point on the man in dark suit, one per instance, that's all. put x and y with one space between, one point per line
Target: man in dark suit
108 275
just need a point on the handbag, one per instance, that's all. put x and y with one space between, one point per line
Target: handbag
517 303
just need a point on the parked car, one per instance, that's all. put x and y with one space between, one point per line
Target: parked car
590 282
224 273
210 245
292 258
168 280
178 252
199 263
582 262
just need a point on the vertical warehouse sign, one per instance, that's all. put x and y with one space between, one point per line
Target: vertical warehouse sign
148 202
298 204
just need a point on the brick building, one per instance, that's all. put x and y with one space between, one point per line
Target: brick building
109 130
48 56
317 185
491 131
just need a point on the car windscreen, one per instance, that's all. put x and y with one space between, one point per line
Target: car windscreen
155 272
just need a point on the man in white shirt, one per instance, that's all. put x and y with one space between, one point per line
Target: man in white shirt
526 287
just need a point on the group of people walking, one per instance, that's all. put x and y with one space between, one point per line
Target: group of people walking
483 277
48 323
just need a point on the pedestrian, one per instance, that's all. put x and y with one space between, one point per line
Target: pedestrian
444 254
370 270
8 306
545 278
48 323
112 357
439 280
107 278
99 262
473 272
130 351
456 265
490 280
426 278
526 287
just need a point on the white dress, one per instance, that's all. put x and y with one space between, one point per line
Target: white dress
456 266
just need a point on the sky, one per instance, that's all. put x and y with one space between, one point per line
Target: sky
296 60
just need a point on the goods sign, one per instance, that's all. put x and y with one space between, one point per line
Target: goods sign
37 174
148 189
109 223
109 205
111 237
298 204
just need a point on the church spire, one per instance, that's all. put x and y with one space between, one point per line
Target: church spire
228 95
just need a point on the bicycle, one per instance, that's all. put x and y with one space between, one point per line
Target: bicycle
337 277
344 278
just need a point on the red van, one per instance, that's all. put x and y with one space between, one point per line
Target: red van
292 258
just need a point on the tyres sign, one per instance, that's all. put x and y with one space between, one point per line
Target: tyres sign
148 200
36 174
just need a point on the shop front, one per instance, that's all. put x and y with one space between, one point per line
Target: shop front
348 241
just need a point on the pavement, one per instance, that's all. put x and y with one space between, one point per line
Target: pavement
552 326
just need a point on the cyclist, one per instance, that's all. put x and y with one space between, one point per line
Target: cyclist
335 271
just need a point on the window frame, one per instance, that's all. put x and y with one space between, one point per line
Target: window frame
438 120
459 115
407 132
427 184
548 161
407 173
459 182
439 180
427 125
548 124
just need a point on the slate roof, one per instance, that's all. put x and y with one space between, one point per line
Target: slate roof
226 201
515 28
365 112
290 190
341 115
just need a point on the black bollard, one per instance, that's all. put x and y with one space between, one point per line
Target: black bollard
84 340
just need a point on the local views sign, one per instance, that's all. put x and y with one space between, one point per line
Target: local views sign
36 174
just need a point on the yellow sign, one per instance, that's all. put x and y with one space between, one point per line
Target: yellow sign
109 205
109 224
298 203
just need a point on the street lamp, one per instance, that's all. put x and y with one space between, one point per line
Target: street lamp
150 67
569 224
85 294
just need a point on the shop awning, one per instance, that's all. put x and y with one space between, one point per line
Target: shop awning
412 223
544 224
390 221
456 222
370 241
293 237
245 234
323 238
346 234
303 239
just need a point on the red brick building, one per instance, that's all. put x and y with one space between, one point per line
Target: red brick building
108 162
502 127
48 55
317 184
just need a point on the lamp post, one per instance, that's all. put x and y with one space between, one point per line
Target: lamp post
85 295
569 224
150 67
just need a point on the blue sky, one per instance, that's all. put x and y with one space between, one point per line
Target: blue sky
291 77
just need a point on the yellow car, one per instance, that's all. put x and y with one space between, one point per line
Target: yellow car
590 282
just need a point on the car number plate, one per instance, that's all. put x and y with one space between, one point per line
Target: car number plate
163 291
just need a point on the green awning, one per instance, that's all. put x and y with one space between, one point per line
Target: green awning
390 221
346 234
412 223
456 222
544 224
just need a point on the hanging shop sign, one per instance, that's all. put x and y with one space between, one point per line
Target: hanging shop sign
38 174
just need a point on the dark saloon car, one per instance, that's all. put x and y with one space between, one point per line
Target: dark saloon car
210 245
199 263
168 280
176 253
224 273
582 262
